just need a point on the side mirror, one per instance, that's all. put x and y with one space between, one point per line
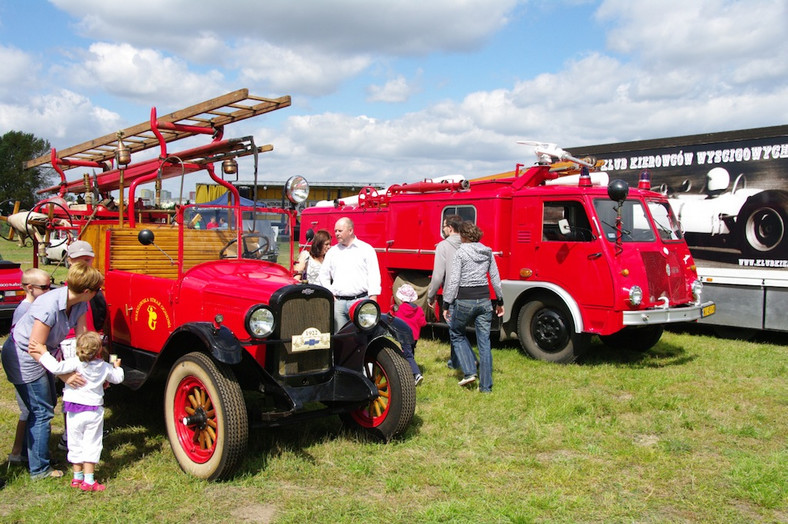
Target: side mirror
145 237
310 234
563 226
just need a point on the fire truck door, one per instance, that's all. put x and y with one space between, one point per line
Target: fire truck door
149 311
570 255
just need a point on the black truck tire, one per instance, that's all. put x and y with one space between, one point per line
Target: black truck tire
391 412
546 332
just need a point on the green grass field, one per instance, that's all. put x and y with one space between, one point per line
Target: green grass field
695 430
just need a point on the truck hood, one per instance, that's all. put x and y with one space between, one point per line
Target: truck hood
254 280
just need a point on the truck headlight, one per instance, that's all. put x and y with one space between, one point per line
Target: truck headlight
296 189
697 289
365 314
635 295
260 322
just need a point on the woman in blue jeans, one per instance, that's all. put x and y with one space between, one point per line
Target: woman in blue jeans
47 322
466 299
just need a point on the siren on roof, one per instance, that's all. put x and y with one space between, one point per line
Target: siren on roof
645 180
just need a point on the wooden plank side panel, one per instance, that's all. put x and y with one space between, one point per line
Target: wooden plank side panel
127 254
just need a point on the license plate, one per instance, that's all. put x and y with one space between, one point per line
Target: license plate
708 310
309 340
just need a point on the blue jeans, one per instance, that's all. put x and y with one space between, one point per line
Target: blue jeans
453 363
39 398
480 312
404 336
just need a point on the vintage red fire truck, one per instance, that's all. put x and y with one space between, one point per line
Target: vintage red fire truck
577 257
236 339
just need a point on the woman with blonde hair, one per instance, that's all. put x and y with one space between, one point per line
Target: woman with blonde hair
46 325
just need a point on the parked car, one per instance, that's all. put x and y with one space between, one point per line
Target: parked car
11 292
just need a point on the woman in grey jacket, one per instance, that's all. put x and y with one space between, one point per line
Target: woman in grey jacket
468 291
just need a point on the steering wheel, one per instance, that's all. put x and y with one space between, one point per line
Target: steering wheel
263 246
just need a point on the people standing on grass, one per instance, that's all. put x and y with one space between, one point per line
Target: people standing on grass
350 270
466 299
48 321
444 255
35 282
84 405
310 260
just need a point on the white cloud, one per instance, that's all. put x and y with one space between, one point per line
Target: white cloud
339 26
20 72
395 90
144 75
64 118
279 69
731 40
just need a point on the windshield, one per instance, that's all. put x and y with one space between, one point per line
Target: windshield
667 225
635 224
273 226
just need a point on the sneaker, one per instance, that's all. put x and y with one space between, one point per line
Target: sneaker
92 487
418 378
467 380
62 445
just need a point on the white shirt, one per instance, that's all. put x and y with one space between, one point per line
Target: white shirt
351 270
95 373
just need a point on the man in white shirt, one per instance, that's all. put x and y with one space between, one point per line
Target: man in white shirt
350 270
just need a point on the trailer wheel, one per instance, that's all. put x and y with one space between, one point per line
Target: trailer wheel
761 225
205 416
547 332
631 338
391 412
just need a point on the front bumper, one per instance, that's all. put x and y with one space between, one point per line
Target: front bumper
647 317
7 309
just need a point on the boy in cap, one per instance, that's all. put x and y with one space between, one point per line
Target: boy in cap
413 316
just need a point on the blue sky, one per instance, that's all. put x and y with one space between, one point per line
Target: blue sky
403 90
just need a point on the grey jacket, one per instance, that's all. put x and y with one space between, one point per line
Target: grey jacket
444 255
472 262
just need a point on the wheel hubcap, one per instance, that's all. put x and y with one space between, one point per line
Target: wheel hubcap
196 420
765 229
375 413
550 331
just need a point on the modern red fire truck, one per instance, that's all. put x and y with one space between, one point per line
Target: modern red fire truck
729 191
577 257
236 339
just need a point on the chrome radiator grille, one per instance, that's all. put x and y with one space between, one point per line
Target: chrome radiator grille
299 313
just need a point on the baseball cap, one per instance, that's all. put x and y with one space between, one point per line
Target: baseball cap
406 293
80 248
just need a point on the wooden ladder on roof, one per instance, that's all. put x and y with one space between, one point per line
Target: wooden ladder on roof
211 114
